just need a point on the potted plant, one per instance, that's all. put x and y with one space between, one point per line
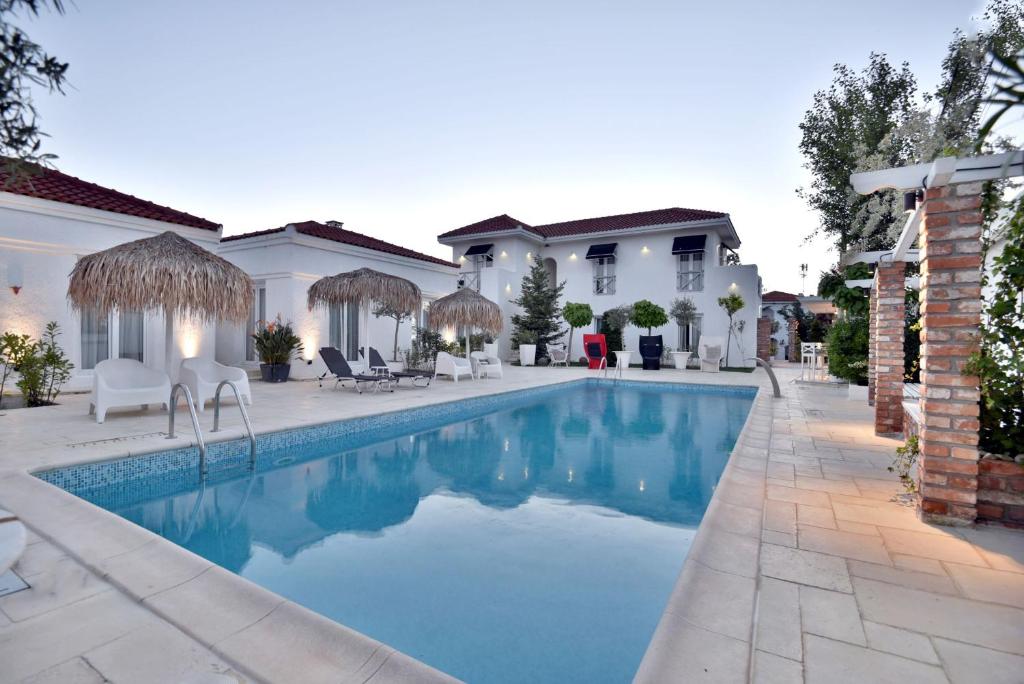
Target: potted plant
490 346
276 343
731 303
683 312
527 340
647 314
577 316
848 354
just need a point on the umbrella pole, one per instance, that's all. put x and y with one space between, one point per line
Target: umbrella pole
168 342
364 334
469 333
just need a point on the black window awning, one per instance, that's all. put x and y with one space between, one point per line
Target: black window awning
689 243
477 250
602 251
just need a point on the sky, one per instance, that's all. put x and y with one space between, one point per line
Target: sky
407 119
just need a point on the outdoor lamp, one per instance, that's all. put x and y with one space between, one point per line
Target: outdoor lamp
14 277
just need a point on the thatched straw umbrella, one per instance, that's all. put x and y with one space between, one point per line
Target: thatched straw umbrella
469 308
364 286
163 273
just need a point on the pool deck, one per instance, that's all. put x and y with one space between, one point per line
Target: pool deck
804 569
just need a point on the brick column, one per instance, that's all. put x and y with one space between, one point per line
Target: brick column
794 341
872 312
764 338
950 244
890 292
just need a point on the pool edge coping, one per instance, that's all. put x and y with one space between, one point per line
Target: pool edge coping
137 562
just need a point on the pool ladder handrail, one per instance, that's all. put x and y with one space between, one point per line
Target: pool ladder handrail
195 421
245 418
771 375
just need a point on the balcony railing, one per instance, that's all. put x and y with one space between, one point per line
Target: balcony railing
690 281
604 285
470 279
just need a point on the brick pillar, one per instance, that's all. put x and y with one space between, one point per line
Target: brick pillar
950 244
890 292
794 341
872 312
764 338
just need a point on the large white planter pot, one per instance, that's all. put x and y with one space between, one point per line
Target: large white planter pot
527 354
857 392
679 359
395 366
491 349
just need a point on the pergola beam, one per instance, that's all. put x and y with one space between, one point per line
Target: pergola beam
942 171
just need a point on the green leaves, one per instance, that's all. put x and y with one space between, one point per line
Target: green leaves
848 348
276 342
541 313
42 366
683 311
647 314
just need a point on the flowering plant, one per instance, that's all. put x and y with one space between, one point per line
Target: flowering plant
276 342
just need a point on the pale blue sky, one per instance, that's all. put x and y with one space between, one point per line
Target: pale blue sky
406 119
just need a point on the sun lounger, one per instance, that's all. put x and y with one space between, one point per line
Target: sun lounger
342 372
379 367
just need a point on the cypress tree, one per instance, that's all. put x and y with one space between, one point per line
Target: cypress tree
541 313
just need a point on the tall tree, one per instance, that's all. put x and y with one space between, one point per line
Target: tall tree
23 64
853 117
541 312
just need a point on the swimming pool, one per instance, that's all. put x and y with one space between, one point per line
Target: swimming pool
531 536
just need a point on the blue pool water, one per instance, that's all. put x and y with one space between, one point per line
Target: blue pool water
535 540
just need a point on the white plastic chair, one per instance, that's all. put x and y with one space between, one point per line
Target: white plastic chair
446 364
484 365
203 375
126 382
559 354
710 350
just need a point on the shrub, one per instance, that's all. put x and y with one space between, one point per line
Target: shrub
848 349
13 348
43 368
647 314
731 303
541 313
276 342
424 349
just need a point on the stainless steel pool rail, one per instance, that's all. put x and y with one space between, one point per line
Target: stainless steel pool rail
182 387
245 418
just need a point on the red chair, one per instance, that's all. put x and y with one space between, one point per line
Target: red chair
597 351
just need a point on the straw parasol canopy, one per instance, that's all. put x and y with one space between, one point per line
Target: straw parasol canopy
163 273
361 287
466 307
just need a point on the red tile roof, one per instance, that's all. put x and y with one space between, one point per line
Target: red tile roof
348 237
601 224
49 184
495 224
778 296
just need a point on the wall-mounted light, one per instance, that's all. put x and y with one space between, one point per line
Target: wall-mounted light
529 255
503 254
462 258
733 286
508 287
645 250
308 347
15 278
572 257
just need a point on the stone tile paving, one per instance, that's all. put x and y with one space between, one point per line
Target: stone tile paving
853 587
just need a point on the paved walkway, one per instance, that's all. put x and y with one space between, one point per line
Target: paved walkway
832 580
852 586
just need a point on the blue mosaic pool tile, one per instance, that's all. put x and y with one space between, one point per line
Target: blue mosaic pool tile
179 467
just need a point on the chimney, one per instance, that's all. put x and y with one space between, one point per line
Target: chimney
335 224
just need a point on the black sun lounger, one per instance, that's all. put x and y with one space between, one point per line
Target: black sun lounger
377 364
342 372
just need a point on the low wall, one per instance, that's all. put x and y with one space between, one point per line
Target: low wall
1001 492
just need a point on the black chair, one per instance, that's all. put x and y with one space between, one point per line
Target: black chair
380 367
342 372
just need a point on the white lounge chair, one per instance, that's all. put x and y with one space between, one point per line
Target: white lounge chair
203 375
484 365
559 354
446 364
710 350
126 382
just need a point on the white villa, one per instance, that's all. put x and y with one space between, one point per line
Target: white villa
285 261
50 220
606 262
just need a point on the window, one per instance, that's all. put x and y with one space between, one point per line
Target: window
335 329
480 261
95 338
343 330
689 335
258 313
597 325
690 273
130 336
604 275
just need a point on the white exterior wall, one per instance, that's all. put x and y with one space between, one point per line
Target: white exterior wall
40 241
640 274
287 263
